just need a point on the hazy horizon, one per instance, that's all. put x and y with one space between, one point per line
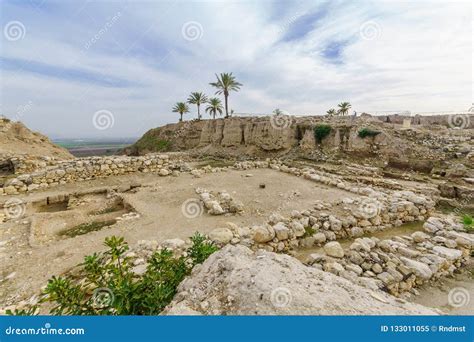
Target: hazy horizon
79 69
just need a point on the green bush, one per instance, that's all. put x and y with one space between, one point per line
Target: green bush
321 131
468 222
367 132
309 231
110 287
152 143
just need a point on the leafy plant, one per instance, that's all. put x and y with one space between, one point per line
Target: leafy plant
278 111
181 108
367 132
308 231
331 112
344 108
214 107
200 249
111 287
321 131
197 98
468 222
225 84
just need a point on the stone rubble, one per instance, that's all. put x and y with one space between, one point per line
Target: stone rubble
219 203
399 264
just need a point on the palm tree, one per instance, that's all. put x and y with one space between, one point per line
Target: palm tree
331 112
181 108
226 83
197 99
344 107
215 106
277 111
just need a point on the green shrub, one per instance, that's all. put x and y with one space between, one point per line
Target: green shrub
367 132
321 131
468 222
308 231
110 287
152 143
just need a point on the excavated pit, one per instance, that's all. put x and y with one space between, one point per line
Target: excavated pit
69 215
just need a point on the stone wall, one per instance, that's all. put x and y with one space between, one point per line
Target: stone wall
466 120
399 264
89 168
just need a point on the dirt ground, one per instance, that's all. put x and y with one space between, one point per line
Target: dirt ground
25 269
460 288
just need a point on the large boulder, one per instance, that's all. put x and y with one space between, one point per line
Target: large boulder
334 249
221 235
420 269
237 281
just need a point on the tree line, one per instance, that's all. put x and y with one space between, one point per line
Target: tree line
224 84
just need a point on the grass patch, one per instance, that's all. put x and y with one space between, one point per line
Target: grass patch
367 132
308 231
85 228
321 131
151 143
110 287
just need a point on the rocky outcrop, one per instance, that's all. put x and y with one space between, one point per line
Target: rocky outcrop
418 148
17 140
237 281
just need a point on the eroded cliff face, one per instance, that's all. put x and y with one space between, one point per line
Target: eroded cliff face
279 135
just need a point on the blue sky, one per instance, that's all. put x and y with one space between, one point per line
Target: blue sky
63 61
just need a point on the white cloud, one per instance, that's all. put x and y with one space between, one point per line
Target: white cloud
420 61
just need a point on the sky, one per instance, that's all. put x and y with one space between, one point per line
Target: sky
114 69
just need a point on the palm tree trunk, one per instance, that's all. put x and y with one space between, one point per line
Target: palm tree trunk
213 115
180 117
199 113
226 111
